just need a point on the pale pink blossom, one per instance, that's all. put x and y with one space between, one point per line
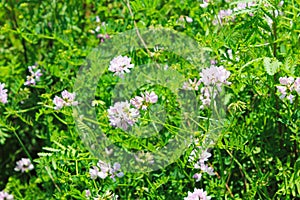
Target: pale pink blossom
121 115
198 194
215 76
204 4
286 80
197 177
290 98
3 93
137 102
150 97
68 99
120 65
103 170
282 90
296 85
5 196
35 75
144 100
87 193
24 165
94 172
188 19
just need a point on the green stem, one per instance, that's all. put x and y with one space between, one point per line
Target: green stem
23 146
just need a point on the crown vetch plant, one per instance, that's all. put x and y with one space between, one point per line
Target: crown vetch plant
250 64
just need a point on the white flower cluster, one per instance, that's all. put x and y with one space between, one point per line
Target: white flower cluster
200 164
3 93
35 75
68 99
103 170
24 165
144 100
121 115
289 85
198 194
120 65
213 79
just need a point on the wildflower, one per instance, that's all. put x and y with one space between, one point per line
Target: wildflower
198 194
150 97
103 37
296 85
87 193
137 102
192 85
204 4
212 77
197 176
215 76
3 93
244 5
35 75
188 19
115 171
102 170
286 80
207 93
24 165
213 62
98 19
107 195
282 90
59 102
121 115
206 169
105 169
222 15
144 100
181 19
281 3
94 172
68 99
6 196
200 164
120 65
288 86
98 27
204 156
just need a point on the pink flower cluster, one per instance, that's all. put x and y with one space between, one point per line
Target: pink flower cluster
204 4
289 85
68 99
244 5
6 196
24 165
35 75
120 65
213 79
224 14
144 100
198 194
200 164
121 115
102 170
3 93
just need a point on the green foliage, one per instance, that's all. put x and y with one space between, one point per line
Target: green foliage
257 155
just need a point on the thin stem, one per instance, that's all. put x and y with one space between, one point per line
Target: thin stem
22 145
